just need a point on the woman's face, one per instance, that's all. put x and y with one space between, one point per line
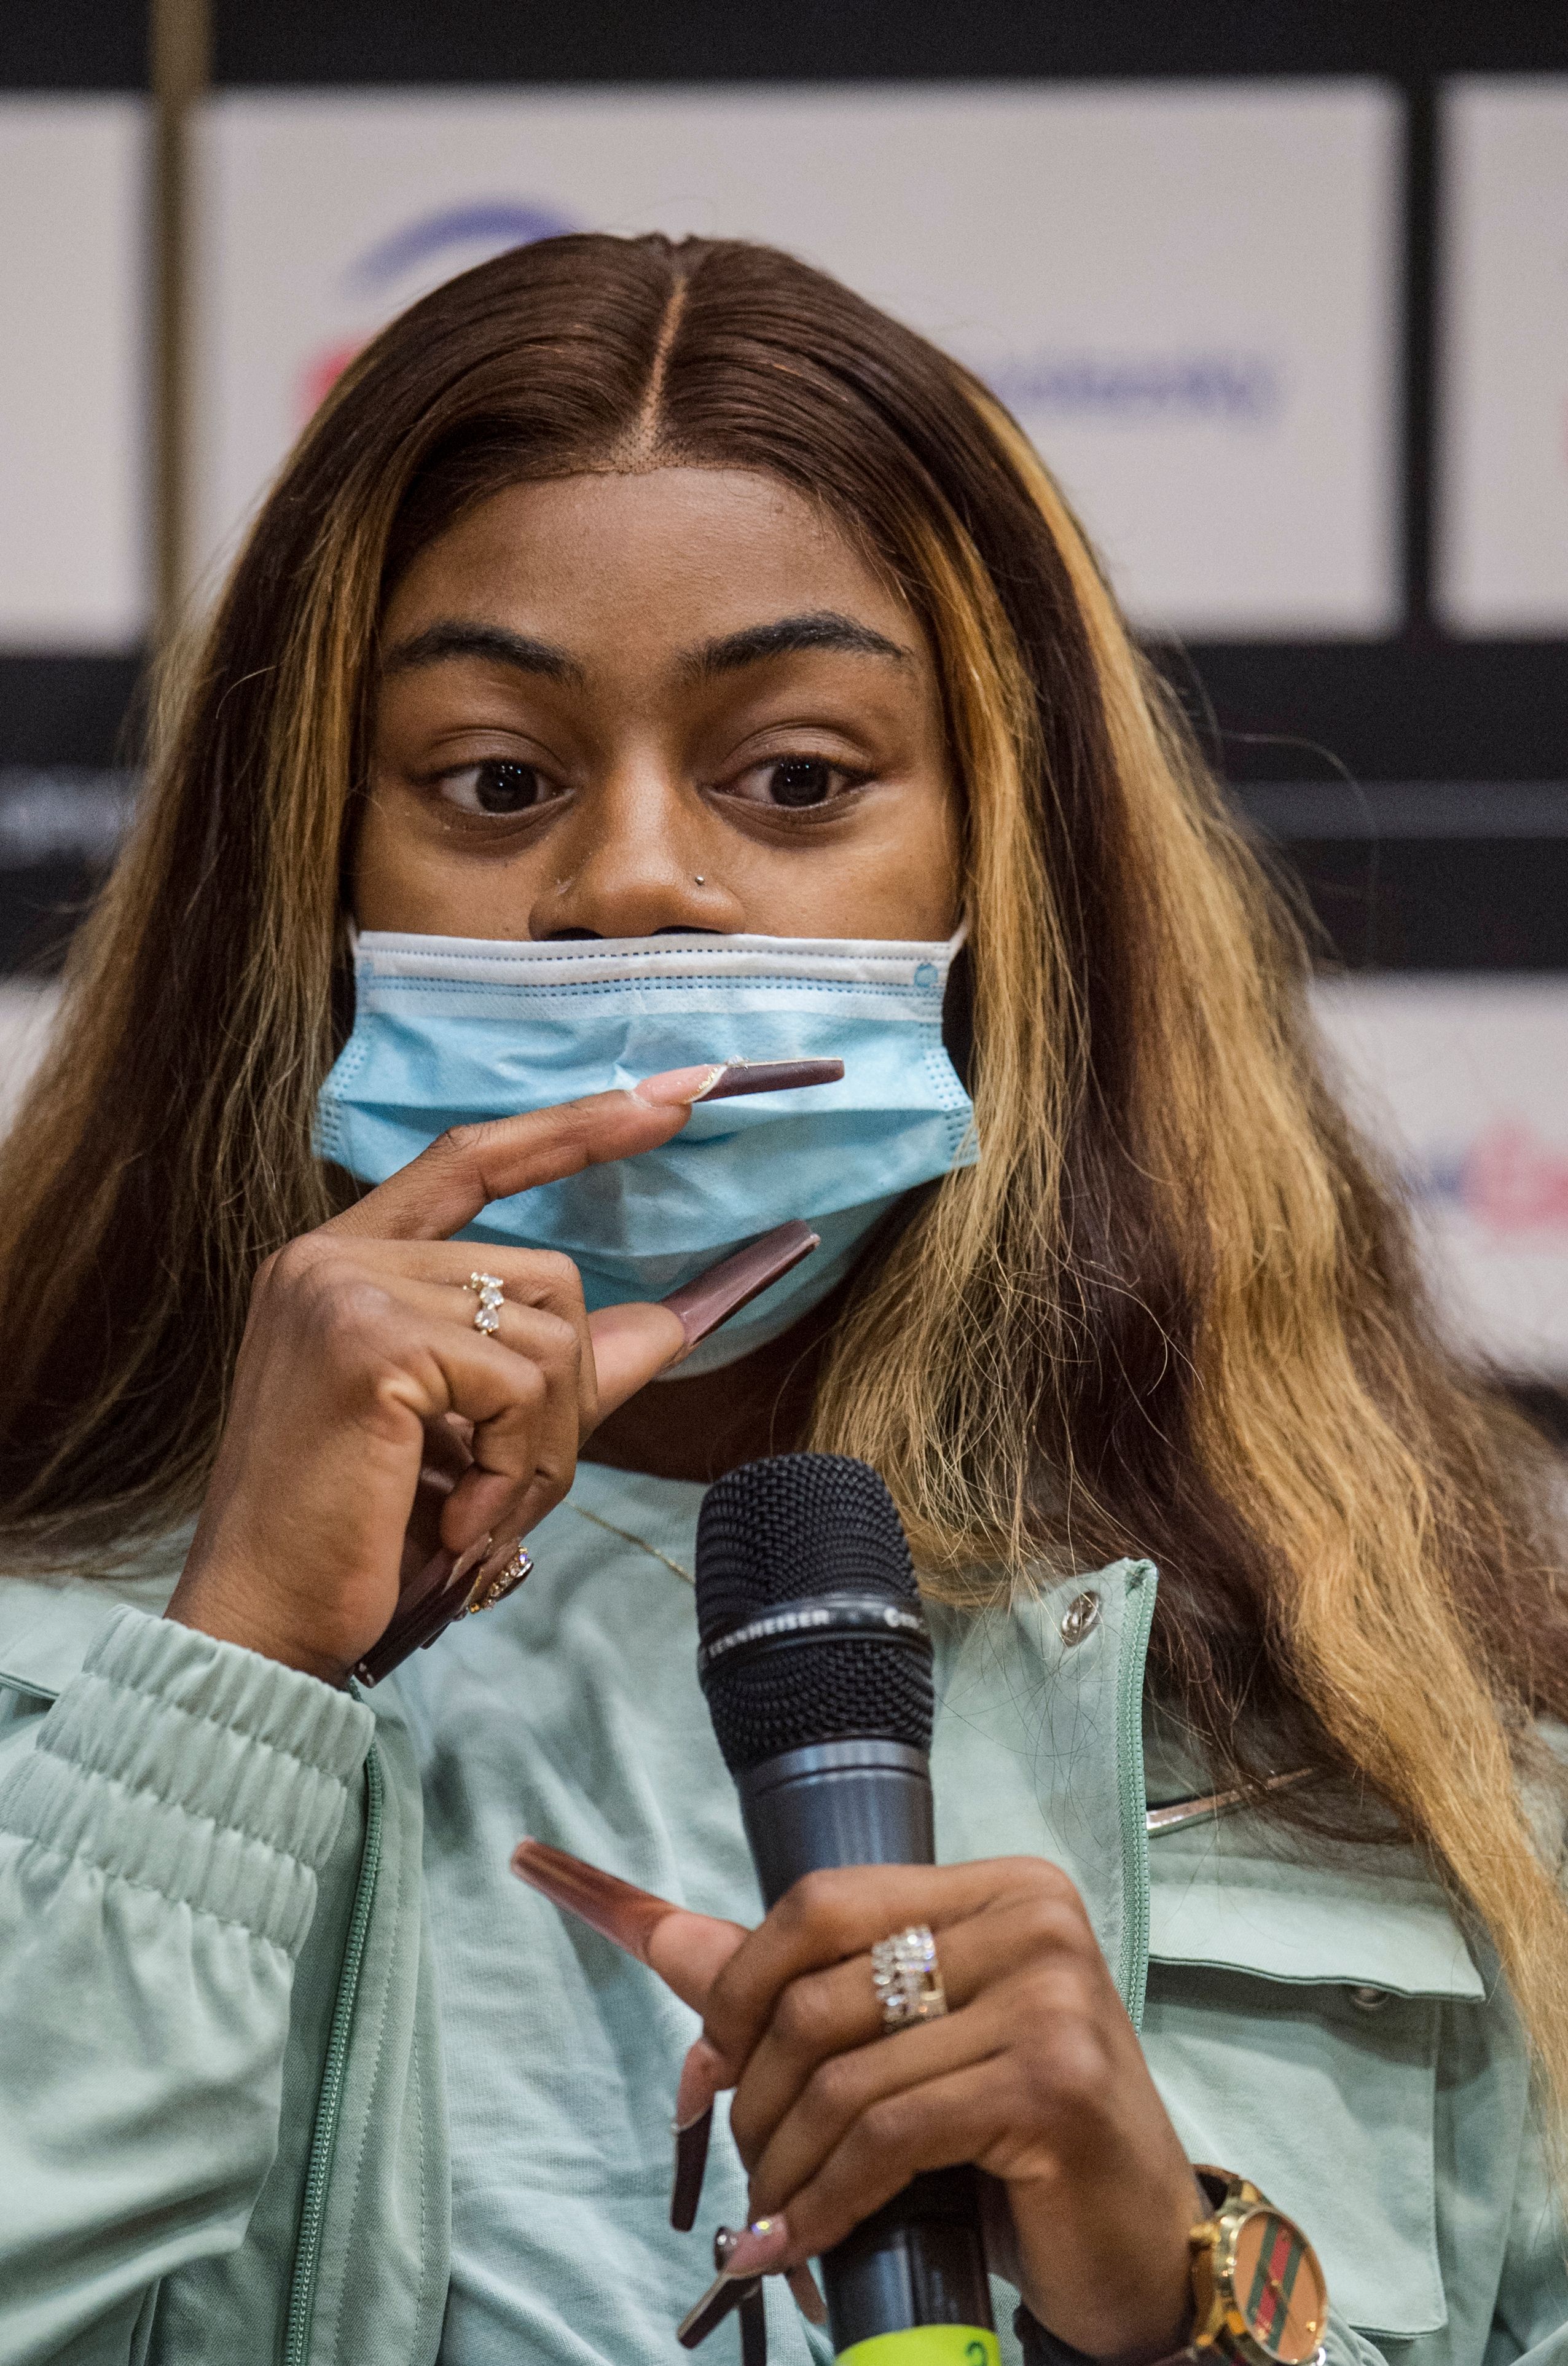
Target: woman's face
616 704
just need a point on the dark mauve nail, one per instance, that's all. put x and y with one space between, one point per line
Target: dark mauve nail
691 2165
702 1305
617 1910
424 1609
726 2292
768 1077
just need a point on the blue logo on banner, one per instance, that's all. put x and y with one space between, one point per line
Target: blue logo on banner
1142 389
490 224
496 223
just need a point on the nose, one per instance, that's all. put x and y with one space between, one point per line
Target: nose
634 859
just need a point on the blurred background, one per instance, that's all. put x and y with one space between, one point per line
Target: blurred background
1281 292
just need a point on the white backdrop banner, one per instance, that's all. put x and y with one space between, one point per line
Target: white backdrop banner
1503 407
1466 1080
1187 293
75 298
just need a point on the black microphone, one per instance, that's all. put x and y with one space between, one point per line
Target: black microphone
816 1665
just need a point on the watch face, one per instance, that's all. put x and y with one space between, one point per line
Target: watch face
1278 2289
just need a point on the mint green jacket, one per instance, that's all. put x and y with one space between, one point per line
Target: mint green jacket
221 2124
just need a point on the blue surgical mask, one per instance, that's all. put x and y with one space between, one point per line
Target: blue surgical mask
451 1030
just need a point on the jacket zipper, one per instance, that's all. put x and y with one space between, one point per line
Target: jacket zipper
1133 1974
307 2248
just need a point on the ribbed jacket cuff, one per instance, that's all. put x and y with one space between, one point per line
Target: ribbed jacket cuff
196 1769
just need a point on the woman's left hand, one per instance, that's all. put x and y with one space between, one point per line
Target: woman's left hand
1034 2073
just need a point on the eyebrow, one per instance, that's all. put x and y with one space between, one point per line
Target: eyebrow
454 639
822 629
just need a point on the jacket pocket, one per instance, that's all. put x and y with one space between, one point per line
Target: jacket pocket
1291 2027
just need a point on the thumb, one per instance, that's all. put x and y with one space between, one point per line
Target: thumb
689 1951
631 1342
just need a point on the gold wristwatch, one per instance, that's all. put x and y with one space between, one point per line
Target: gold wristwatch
1258 2291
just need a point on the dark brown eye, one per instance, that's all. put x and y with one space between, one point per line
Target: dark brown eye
498 786
505 788
801 781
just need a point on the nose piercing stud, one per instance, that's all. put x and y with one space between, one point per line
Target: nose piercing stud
700 878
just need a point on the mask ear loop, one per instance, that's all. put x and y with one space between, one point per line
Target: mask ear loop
343 990
958 1009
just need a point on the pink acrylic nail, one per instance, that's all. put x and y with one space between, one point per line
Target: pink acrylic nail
617 1910
703 2073
760 2250
673 1087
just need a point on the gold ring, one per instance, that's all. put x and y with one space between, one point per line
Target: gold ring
491 1293
487 1591
908 1979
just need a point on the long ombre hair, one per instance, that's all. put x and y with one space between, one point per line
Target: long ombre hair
1173 1311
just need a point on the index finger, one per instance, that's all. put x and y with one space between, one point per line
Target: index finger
447 1185
467 1167
686 1949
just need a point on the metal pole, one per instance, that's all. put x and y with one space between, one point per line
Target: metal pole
180 50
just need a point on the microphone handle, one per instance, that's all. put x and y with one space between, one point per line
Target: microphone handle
909 2286
836 1803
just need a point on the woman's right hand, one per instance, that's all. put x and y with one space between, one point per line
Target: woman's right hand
361 1371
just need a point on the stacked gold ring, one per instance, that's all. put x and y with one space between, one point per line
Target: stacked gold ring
908 1978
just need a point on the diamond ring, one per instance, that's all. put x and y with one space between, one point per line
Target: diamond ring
491 1293
907 1977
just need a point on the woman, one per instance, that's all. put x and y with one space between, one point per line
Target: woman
627 604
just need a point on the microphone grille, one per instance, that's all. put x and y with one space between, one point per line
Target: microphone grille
774 1532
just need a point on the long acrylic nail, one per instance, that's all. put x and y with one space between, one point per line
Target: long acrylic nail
725 2294
472 1558
617 1910
724 1079
702 1305
674 1087
691 2165
807 2294
703 2073
738 1076
760 2250
427 1605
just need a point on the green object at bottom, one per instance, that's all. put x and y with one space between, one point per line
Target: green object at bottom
926 2345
